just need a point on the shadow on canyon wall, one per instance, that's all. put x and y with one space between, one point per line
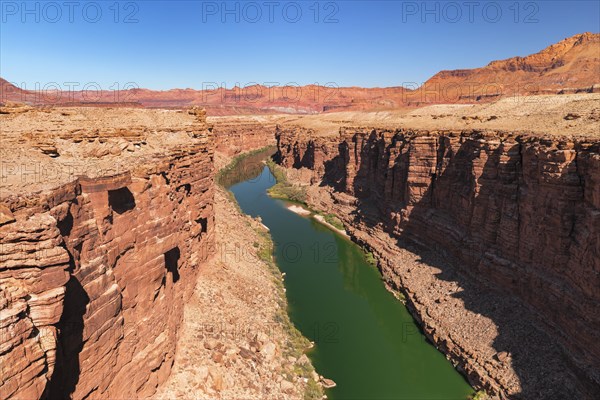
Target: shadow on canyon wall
70 343
460 223
70 327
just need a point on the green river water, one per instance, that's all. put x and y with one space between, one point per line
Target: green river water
365 339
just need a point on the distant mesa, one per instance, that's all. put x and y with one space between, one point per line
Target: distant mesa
569 66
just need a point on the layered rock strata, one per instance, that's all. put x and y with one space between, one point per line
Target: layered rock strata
237 341
235 138
519 213
95 271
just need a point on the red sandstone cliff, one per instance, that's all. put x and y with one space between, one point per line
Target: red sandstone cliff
94 274
235 138
517 212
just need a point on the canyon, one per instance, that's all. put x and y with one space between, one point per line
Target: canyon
483 215
450 212
107 222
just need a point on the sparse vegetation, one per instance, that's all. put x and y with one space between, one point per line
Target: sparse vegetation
313 390
223 175
296 344
480 395
284 189
334 221
228 175
370 258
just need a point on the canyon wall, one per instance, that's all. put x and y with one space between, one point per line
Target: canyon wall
519 213
235 138
95 272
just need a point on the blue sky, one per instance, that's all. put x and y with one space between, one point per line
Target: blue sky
185 44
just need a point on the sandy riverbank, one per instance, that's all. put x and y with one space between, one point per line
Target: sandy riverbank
304 212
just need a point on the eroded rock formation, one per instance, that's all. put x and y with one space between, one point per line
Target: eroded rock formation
233 138
94 272
519 213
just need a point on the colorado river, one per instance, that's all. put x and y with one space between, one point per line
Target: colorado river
365 339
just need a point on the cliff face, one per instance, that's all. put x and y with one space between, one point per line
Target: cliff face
94 274
235 138
569 66
520 213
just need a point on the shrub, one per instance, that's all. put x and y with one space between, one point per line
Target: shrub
284 189
334 221
480 395
313 391
371 258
